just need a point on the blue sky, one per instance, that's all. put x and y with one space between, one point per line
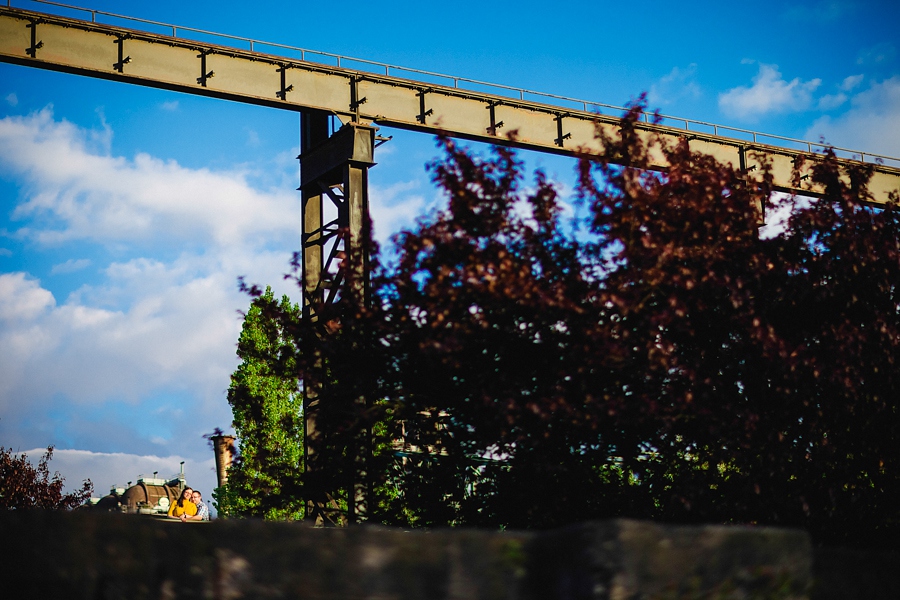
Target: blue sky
127 214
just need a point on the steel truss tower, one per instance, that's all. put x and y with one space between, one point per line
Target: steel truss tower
334 263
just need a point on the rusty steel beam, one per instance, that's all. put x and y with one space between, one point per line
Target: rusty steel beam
334 188
116 53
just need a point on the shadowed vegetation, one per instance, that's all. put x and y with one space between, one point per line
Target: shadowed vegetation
671 364
25 486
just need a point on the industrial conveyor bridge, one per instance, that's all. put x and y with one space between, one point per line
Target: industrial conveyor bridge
364 94
371 92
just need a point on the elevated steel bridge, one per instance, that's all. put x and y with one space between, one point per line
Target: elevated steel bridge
544 122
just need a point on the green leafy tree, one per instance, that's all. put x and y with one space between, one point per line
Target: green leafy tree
24 486
267 410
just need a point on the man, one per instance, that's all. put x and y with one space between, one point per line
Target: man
202 509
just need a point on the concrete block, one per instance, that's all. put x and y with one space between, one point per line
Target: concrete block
625 559
111 556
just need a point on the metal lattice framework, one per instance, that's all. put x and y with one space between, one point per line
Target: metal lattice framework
334 188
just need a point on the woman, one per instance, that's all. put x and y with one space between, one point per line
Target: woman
183 507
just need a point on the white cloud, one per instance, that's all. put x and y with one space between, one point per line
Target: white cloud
81 192
851 82
22 299
170 327
770 93
70 266
154 329
831 101
779 213
171 105
396 207
12 99
678 84
871 123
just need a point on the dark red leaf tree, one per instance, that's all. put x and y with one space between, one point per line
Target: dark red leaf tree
24 486
511 370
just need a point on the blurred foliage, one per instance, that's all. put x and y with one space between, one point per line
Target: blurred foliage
24 486
666 363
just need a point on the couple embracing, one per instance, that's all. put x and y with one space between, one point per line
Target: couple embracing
189 507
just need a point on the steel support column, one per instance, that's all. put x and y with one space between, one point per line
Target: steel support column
334 188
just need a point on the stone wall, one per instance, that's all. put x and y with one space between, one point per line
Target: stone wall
85 555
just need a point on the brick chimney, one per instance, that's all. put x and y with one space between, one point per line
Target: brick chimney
223 446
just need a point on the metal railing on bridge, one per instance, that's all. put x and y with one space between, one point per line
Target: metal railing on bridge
459 82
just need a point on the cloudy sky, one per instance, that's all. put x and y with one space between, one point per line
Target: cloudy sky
127 214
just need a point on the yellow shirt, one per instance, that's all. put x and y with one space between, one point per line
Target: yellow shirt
189 509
